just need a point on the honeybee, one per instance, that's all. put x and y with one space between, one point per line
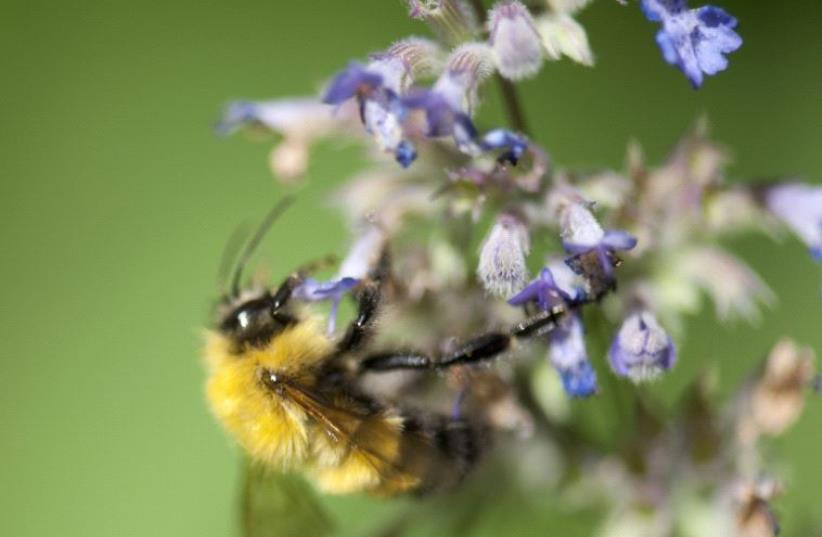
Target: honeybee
276 383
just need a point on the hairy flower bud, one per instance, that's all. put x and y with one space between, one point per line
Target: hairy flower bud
514 40
502 267
452 20
641 350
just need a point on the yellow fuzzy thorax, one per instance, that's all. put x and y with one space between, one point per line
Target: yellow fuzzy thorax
270 429
277 431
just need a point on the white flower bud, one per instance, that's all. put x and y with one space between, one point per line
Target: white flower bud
514 40
579 226
502 267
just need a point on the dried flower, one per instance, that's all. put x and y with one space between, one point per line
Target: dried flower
502 267
514 40
641 350
779 396
695 40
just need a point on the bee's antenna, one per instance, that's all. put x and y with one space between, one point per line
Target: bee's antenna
230 251
252 244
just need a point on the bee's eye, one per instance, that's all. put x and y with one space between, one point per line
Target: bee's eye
254 321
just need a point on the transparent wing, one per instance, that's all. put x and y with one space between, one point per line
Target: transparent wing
280 505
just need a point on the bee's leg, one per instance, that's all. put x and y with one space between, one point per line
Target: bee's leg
368 303
484 347
283 293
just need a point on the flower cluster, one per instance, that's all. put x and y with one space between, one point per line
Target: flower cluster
485 231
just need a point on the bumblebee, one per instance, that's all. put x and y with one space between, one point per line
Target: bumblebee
277 384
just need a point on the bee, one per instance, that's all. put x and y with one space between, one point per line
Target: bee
276 383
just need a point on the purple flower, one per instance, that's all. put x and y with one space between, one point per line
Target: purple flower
381 110
568 356
298 118
448 105
543 290
312 290
378 88
641 350
582 234
513 145
694 40
800 207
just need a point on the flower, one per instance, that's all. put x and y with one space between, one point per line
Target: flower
779 395
514 40
582 235
800 207
561 34
694 40
362 257
449 103
299 121
378 87
543 290
311 290
641 350
568 356
502 256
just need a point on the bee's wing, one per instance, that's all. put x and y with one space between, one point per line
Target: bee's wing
378 442
281 505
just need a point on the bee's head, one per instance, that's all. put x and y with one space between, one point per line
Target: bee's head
253 319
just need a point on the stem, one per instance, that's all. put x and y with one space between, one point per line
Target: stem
508 91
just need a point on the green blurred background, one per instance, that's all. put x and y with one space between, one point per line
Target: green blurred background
116 200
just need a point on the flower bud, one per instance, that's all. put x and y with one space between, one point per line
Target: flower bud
502 267
514 40
641 350
452 20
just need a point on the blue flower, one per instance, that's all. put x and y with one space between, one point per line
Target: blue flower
694 40
641 350
568 356
447 106
800 207
579 380
381 109
312 290
543 290
582 235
